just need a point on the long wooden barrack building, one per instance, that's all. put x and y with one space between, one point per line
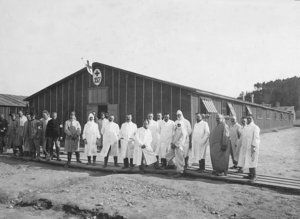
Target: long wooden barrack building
121 92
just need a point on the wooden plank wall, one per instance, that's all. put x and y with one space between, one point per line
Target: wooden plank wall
134 94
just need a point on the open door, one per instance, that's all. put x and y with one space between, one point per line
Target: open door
113 109
194 109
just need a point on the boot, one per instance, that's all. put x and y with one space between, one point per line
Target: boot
131 162
105 161
201 165
249 175
253 177
116 161
69 159
186 160
21 151
94 160
157 158
163 162
126 164
78 157
89 161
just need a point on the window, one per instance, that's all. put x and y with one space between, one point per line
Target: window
281 116
97 95
259 113
244 111
248 110
208 105
225 109
231 109
268 114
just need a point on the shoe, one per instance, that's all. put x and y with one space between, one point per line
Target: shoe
178 175
78 157
116 162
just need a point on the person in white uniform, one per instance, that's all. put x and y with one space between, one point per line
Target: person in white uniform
153 127
250 144
90 136
187 126
233 137
143 150
110 133
241 159
166 129
200 141
127 134
177 148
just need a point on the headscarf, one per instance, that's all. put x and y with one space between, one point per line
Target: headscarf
91 115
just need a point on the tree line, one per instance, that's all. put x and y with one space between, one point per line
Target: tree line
284 91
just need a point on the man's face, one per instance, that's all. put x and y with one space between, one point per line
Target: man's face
13 117
159 116
20 113
178 116
33 117
91 118
107 115
146 124
167 117
128 118
54 115
2 116
198 117
218 119
150 116
111 118
28 117
102 115
244 121
233 120
72 115
249 119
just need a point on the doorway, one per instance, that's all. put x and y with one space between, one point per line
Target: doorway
102 108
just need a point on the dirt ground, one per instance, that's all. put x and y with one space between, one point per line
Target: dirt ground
36 190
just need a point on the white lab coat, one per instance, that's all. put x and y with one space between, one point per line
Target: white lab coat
250 136
127 133
188 130
233 134
90 133
110 133
200 140
143 137
153 127
166 130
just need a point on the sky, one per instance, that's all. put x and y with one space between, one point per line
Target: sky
219 46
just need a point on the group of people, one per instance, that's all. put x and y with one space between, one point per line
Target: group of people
166 142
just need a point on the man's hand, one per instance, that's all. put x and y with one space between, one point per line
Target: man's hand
253 149
143 146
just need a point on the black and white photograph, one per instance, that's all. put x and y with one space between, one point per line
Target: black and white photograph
150 109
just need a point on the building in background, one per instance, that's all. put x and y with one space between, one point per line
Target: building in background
119 92
289 109
12 104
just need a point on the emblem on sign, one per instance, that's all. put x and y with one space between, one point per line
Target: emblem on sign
97 77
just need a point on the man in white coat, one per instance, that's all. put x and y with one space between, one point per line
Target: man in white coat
166 129
200 140
143 150
250 148
241 158
127 133
177 148
90 136
153 127
110 133
188 129
233 137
